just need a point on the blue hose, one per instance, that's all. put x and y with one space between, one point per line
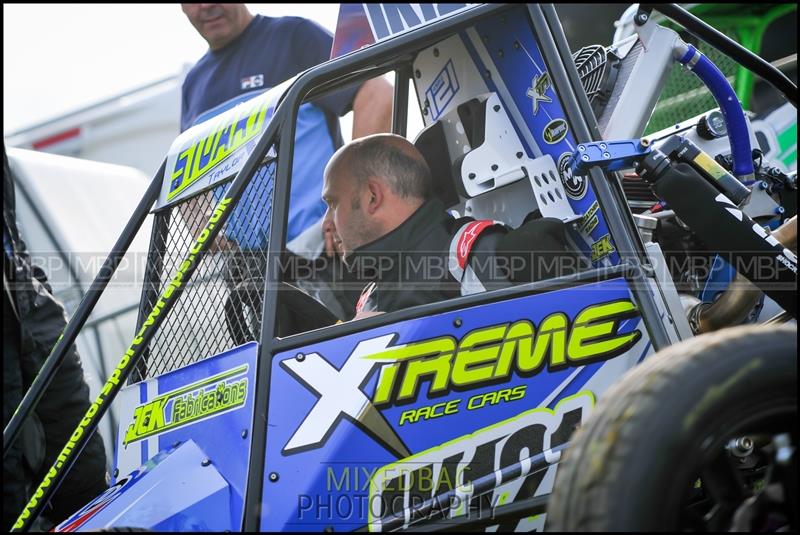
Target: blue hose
730 106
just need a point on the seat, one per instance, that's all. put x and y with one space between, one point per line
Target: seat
475 153
479 166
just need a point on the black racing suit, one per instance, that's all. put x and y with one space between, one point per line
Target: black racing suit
411 265
32 323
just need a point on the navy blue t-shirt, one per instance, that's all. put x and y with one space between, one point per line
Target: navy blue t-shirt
270 51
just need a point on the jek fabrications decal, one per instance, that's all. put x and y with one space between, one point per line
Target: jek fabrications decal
194 402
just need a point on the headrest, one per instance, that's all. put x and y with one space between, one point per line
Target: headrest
432 144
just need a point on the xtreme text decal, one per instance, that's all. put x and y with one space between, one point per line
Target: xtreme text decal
189 404
485 356
491 354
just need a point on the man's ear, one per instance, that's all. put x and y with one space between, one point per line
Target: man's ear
375 189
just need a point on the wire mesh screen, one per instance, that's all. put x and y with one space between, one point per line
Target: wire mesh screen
684 95
220 307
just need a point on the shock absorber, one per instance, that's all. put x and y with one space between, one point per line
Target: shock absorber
723 227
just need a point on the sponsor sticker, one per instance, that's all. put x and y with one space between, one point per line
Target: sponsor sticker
197 401
589 221
555 131
538 89
602 248
574 186
442 90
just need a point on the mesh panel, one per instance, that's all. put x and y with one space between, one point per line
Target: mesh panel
220 305
684 95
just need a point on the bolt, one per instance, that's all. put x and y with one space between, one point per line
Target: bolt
644 142
494 167
244 433
780 210
205 462
606 155
417 73
585 157
457 322
519 155
300 357
603 146
641 18
471 176
763 185
581 148
741 447
496 107
273 476
116 472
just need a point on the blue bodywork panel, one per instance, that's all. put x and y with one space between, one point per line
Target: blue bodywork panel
176 490
325 446
209 403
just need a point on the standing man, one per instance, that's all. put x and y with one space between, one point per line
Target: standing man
249 54
33 321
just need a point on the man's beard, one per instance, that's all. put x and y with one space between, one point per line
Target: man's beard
363 232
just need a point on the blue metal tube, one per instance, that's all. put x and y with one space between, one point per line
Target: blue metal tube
730 106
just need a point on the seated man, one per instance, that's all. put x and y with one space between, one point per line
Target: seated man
395 236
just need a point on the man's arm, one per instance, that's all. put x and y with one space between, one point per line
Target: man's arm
372 108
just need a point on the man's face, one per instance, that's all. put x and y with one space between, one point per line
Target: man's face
345 211
219 24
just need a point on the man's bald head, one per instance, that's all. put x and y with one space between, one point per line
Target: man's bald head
389 157
372 185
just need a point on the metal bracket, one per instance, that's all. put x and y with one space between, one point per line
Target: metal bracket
551 198
499 160
609 155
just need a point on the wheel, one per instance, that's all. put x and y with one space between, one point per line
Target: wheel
700 437
297 311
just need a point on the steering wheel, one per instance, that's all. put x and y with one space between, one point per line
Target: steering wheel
297 311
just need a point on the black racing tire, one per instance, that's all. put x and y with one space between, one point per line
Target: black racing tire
631 466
